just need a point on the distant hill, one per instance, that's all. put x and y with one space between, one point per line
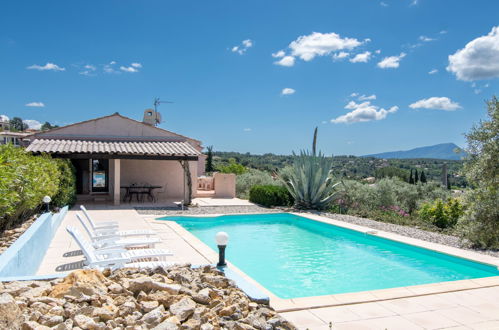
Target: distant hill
438 151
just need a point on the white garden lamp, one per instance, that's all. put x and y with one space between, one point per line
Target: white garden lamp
47 201
222 238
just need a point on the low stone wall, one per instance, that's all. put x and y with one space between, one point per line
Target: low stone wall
167 298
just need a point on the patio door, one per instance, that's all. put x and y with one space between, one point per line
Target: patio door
100 175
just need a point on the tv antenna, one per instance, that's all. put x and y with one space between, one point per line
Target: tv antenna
157 102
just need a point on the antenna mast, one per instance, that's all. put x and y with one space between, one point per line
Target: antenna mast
157 102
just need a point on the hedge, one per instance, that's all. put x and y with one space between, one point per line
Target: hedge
268 195
24 181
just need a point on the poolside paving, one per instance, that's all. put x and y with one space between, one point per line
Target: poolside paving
468 309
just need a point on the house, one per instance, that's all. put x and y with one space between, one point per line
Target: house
4 123
17 139
116 155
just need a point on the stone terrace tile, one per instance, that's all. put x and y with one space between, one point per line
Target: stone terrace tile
335 314
430 320
370 310
463 315
304 319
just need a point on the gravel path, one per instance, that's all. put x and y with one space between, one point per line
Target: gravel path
389 227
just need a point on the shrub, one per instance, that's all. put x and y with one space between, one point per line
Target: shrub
66 194
25 179
270 196
442 215
232 167
251 178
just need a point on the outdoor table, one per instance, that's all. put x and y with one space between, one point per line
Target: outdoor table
139 191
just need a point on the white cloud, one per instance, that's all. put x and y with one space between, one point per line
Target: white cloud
288 91
134 67
378 51
340 56
88 70
426 39
109 68
279 54
35 104
286 61
391 62
437 103
47 67
354 94
479 59
433 71
443 32
362 57
367 98
34 124
247 129
243 47
414 2
4 118
383 4
363 112
319 44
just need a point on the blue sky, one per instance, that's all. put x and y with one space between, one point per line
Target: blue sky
258 76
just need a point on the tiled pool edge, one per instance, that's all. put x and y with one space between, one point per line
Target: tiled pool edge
296 304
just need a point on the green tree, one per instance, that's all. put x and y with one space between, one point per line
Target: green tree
480 223
416 176
411 179
46 126
17 124
422 177
209 160
232 167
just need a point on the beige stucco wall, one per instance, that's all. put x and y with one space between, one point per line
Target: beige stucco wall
225 185
165 173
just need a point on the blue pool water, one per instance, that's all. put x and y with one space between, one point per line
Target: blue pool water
295 257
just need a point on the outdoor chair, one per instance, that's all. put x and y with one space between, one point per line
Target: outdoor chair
110 239
118 257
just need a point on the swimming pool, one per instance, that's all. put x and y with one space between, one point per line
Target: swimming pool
293 256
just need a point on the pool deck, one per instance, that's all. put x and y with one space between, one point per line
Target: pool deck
466 304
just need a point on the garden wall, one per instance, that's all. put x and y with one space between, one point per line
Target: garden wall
26 254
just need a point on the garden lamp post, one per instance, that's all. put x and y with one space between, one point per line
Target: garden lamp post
221 238
47 201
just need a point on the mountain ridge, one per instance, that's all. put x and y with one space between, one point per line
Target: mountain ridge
437 151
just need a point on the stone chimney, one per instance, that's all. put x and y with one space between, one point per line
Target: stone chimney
151 117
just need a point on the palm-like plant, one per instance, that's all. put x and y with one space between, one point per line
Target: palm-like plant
310 179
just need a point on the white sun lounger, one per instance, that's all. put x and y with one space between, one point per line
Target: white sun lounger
106 241
110 228
115 257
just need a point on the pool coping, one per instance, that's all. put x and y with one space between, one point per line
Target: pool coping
296 304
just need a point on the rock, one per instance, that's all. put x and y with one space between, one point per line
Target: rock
166 325
115 288
32 325
85 322
148 306
52 320
202 297
162 297
183 309
104 314
146 284
207 326
155 316
191 324
10 313
227 310
81 282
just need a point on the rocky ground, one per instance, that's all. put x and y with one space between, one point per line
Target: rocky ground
172 298
9 236
397 229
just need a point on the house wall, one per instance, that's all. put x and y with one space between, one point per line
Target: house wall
166 173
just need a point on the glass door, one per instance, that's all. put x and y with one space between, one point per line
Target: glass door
100 175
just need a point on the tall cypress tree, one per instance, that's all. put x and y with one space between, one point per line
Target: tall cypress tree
416 176
411 179
423 177
209 160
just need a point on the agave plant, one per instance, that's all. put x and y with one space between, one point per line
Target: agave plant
310 180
